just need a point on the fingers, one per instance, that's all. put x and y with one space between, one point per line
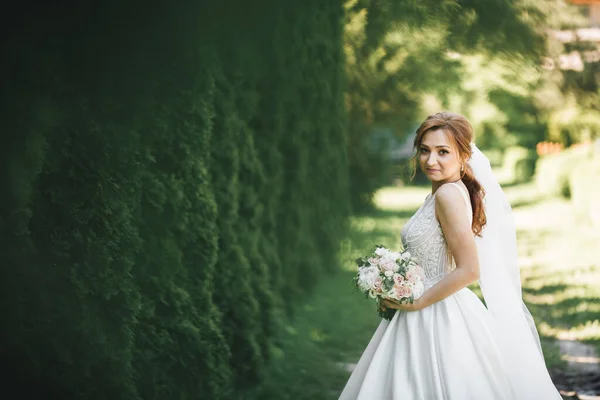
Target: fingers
388 304
405 307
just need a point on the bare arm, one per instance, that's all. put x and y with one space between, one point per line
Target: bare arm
452 213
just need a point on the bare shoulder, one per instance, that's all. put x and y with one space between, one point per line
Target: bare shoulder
449 194
450 200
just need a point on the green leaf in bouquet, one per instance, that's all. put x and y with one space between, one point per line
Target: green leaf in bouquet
387 314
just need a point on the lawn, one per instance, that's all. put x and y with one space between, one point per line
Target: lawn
561 284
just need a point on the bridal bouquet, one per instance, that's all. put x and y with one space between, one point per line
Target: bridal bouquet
388 274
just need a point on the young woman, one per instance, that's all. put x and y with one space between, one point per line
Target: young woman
447 345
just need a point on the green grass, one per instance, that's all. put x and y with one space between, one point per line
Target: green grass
561 285
560 270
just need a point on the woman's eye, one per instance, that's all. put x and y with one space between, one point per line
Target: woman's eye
423 150
443 151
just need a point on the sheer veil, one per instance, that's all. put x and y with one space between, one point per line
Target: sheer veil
500 282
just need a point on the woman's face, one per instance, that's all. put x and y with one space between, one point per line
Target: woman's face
438 157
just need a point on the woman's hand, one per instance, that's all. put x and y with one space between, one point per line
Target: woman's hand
390 303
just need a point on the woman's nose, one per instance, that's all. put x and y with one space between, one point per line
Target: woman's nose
431 160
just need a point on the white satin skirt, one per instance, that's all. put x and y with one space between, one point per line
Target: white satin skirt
443 352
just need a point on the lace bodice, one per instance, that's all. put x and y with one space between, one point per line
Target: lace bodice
423 237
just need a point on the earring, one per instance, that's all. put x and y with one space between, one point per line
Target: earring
462 168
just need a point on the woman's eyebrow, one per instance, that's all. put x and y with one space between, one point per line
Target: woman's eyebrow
441 145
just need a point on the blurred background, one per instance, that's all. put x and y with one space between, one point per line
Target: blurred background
187 184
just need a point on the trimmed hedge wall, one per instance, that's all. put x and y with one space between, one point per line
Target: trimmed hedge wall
172 183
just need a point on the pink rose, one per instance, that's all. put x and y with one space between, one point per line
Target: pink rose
398 279
418 289
377 284
403 291
413 276
373 260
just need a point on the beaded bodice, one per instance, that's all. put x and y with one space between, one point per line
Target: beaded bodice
423 237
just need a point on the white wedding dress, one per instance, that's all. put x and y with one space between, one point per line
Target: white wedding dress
443 352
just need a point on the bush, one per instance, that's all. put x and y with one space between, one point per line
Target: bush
519 162
553 170
369 171
495 156
584 182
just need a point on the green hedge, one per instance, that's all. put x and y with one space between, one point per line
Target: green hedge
584 183
171 188
520 163
553 170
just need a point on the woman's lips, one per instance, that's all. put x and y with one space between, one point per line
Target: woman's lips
432 170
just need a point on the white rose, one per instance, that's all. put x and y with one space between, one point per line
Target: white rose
418 289
405 256
374 270
393 255
363 284
381 251
387 265
389 273
373 261
363 280
367 277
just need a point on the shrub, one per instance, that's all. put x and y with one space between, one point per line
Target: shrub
519 162
553 170
584 183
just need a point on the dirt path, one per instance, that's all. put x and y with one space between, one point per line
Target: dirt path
581 378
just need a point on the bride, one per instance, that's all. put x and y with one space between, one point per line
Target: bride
448 345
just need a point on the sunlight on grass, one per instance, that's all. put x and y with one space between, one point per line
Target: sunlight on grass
590 331
406 198
559 266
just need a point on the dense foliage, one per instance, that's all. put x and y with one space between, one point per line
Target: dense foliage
402 53
499 63
172 184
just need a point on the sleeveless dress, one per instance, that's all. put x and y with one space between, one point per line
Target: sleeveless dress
443 352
